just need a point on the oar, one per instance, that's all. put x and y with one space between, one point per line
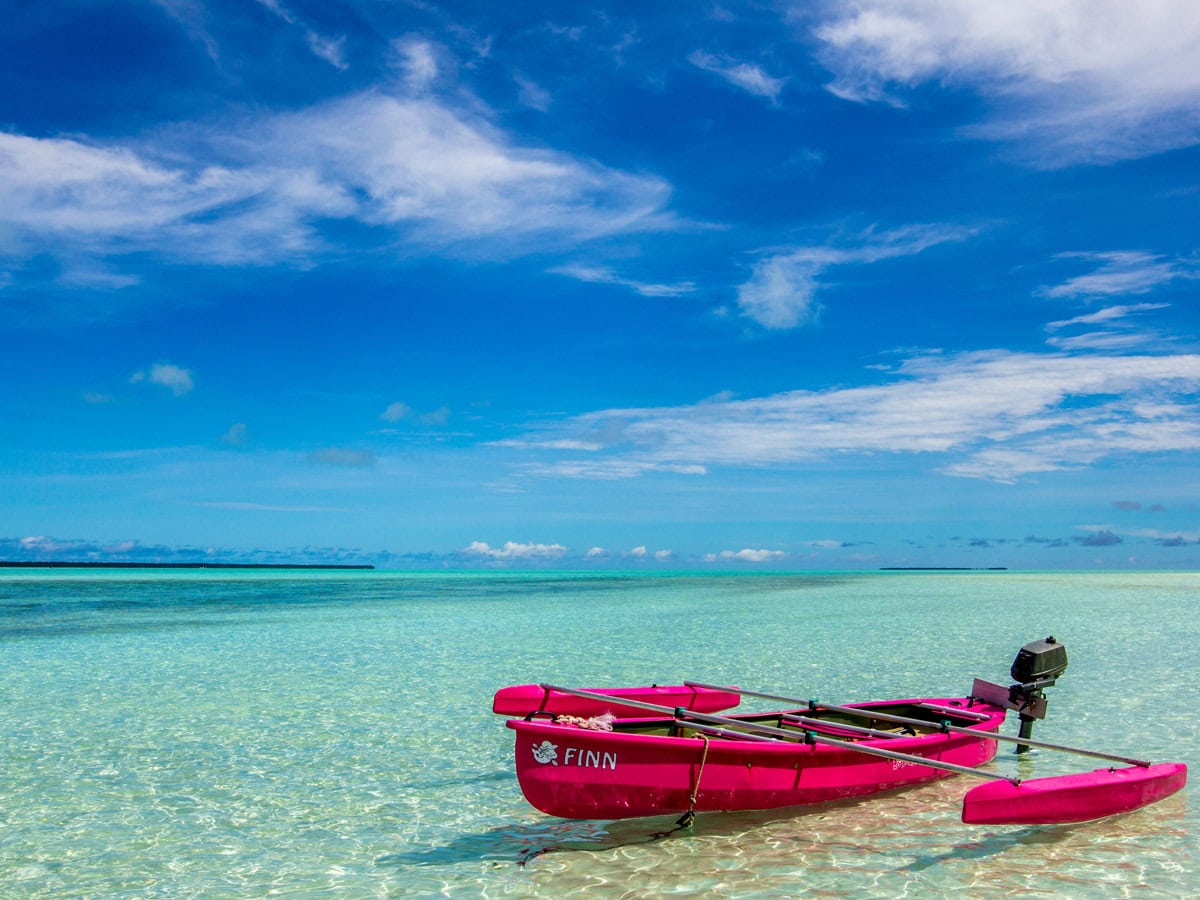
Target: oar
791 736
725 732
943 726
806 722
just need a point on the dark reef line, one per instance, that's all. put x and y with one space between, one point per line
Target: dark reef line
59 564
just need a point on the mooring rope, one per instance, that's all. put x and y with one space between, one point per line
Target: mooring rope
682 824
688 817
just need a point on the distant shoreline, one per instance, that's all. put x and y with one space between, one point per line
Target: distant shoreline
943 568
192 565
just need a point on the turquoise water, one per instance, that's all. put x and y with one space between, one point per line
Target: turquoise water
244 734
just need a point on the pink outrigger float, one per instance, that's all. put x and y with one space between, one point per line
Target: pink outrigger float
520 699
626 752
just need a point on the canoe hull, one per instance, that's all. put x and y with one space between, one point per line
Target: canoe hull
579 774
1072 798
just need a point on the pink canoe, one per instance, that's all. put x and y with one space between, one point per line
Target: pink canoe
664 764
1072 798
523 699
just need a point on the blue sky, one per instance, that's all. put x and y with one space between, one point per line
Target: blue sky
615 285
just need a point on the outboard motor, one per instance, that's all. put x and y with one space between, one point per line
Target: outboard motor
1037 667
1040 661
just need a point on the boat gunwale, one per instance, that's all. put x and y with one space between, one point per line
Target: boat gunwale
929 741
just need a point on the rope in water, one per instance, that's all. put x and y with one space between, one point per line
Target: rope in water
688 817
682 824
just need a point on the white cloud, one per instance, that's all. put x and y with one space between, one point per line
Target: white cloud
395 412
555 444
418 61
413 168
43 544
994 415
531 94
747 555
236 435
608 468
398 411
69 188
446 179
604 275
332 50
1116 329
191 15
514 550
1108 341
781 292
78 200
1119 273
747 76
177 380
1079 80
1107 316
439 416
328 49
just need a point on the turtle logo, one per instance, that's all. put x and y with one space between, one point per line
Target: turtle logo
546 752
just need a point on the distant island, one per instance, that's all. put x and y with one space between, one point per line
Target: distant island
943 568
183 565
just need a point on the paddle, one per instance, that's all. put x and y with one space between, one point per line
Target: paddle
943 726
782 734
840 727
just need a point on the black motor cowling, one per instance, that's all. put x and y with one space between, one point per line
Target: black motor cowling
1040 661
1036 667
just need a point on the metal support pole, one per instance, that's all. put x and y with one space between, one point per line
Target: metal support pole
1025 732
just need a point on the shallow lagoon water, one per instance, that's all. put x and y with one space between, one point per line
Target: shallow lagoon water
247 734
